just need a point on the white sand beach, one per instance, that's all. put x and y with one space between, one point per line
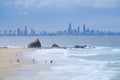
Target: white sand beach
8 61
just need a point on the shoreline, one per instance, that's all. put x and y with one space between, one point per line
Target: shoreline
8 61
61 67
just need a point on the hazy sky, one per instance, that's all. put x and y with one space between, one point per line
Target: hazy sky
56 14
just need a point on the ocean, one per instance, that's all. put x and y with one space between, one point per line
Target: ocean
99 62
63 41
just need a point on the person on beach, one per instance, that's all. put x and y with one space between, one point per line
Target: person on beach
51 61
16 54
45 61
33 61
18 60
10 61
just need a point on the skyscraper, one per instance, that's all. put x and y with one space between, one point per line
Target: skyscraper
78 29
5 32
84 29
25 31
70 28
18 31
32 32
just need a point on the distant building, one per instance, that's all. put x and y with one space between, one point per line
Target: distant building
70 28
32 33
18 31
21 32
70 31
5 32
25 31
84 29
78 29
10 32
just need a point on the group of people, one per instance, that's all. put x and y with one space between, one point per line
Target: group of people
17 59
33 61
51 61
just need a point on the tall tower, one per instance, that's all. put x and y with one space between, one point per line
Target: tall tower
78 29
25 31
70 28
18 31
84 29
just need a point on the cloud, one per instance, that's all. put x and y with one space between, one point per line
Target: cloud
65 3
22 13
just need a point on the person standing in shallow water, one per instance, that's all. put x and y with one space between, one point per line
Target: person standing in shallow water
45 61
51 61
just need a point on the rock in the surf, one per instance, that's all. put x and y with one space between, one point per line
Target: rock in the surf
35 44
77 46
55 46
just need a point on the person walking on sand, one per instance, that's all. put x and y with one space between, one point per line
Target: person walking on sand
33 61
16 55
10 61
18 60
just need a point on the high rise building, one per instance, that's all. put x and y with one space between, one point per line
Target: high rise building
14 32
70 28
78 29
5 32
18 31
84 29
25 31
21 32
32 32
10 32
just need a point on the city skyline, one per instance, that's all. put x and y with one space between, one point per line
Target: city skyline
54 14
80 30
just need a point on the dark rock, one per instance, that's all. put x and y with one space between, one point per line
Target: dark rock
35 44
55 46
77 46
84 46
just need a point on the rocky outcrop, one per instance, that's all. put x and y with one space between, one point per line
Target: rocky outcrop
77 46
35 44
55 46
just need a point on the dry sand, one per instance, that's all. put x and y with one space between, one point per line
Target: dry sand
8 62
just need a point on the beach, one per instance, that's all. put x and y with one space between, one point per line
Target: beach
8 61
67 64
100 63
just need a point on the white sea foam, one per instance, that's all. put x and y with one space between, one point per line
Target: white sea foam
116 50
70 66
14 46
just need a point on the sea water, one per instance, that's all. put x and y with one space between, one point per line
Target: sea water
63 41
101 62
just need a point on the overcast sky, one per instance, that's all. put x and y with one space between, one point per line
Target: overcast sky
53 15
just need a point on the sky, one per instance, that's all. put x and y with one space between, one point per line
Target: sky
55 15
